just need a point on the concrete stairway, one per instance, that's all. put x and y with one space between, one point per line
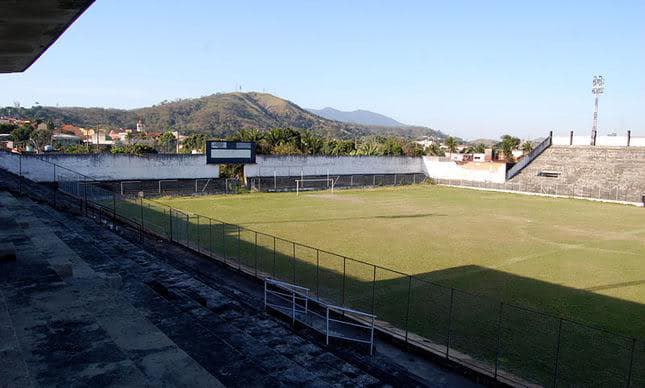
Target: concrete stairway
62 323
82 305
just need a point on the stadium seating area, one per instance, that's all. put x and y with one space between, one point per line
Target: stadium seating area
83 304
604 170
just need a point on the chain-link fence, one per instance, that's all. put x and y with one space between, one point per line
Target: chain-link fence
322 182
174 187
565 190
507 342
510 343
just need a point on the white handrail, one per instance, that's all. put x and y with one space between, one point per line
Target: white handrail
285 284
292 308
348 310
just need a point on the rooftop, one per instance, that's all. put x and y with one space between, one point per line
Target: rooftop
28 28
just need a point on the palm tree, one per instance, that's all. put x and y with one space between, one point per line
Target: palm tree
370 148
310 143
527 147
434 150
451 143
166 140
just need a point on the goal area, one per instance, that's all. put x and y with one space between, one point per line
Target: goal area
315 184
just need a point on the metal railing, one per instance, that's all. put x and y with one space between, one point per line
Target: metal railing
289 183
339 322
537 151
560 190
510 343
176 187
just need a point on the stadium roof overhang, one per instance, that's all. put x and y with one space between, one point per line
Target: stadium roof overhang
29 27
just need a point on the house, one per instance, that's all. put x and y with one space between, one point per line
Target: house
64 140
5 141
425 142
479 157
98 136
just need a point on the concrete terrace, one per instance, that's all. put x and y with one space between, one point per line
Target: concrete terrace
84 306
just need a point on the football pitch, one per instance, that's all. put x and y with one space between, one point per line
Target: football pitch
534 287
577 259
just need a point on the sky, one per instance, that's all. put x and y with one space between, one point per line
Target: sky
469 68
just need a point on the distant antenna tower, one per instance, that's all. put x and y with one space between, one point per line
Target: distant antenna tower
597 89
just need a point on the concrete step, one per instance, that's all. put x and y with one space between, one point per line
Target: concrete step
258 340
80 330
13 369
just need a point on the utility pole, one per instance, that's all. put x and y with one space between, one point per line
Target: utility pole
597 89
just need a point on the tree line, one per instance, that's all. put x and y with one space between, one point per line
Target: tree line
277 141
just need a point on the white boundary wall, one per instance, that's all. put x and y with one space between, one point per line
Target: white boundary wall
268 165
280 166
601 140
104 167
437 167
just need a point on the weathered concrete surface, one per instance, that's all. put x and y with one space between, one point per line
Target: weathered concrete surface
77 332
176 319
7 252
593 168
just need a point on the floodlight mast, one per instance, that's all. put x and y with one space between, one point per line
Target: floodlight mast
598 88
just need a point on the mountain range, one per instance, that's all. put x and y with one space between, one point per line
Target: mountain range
218 115
361 117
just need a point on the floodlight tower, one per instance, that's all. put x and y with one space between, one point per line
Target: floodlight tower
598 88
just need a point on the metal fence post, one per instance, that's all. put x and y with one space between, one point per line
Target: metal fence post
274 256
452 297
293 308
293 263
374 291
187 230
85 193
224 241
318 274
239 249
407 311
170 227
499 338
141 208
344 273
114 208
557 355
255 254
198 233
631 363
327 326
210 237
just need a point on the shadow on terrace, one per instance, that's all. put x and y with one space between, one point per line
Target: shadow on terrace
508 341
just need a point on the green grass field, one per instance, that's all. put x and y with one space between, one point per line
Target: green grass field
576 259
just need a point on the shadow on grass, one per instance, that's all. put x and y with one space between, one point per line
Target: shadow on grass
503 339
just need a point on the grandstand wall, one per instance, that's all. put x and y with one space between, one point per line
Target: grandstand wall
591 167
115 167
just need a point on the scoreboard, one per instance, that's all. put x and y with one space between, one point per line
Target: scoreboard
223 152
